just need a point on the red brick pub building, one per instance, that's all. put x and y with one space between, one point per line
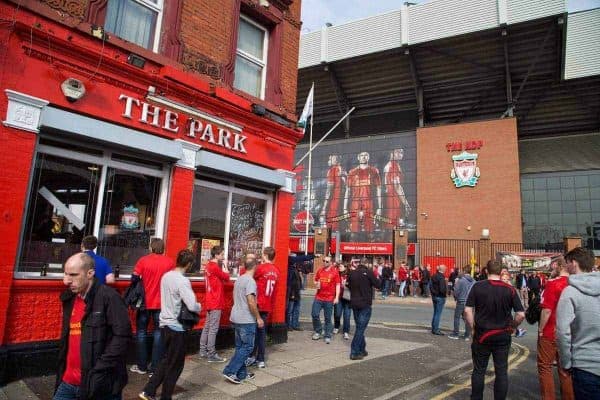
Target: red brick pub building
132 119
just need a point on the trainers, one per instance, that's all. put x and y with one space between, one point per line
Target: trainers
216 359
365 353
146 396
453 336
250 361
327 340
298 329
316 336
346 336
336 331
249 376
202 355
261 364
466 338
356 356
232 378
134 368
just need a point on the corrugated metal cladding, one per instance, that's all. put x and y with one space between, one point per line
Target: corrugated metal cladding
368 35
579 152
445 18
527 10
582 57
310 49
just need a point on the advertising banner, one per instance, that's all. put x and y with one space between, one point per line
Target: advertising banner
529 261
361 187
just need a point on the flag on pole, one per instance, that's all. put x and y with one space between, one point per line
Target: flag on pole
308 109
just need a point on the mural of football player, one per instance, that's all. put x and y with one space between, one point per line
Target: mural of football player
336 179
396 205
363 194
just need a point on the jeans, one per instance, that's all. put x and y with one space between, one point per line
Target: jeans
361 319
244 344
415 286
438 307
386 288
327 307
261 338
170 366
458 315
586 385
499 347
209 333
141 326
304 281
294 314
342 309
401 290
547 354
66 391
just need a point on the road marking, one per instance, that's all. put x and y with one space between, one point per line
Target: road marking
513 362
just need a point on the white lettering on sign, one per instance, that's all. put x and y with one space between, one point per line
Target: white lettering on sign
198 127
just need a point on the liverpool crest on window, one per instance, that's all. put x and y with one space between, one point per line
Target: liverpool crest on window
465 171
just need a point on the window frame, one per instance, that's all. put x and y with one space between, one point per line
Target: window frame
249 57
105 161
157 7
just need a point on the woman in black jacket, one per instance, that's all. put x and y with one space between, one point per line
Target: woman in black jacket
342 308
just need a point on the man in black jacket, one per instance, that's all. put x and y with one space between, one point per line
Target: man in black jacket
95 335
522 288
425 281
438 296
361 282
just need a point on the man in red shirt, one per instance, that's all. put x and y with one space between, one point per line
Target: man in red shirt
327 281
396 205
546 346
402 277
266 276
150 269
362 190
336 179
415 277
215 276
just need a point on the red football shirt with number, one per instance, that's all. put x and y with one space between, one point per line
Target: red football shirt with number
266 276
329 278
72 374
550 297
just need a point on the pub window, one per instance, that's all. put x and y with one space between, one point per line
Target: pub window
74 194
251 58
137 21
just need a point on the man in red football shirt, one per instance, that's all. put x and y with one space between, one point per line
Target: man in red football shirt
396 205
327 281
266 276
415 277
215 276
150 269
546 346
336 179
362 190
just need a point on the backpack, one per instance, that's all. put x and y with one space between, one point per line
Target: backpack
534 311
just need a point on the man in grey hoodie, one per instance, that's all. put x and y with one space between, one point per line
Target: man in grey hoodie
461 291
578 325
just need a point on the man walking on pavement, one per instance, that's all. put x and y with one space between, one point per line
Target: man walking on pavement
94 337
535 285
215 276
521 284
361 283
546 346
438 296
327 281
245 318
461 291
488 311
386 277
578 325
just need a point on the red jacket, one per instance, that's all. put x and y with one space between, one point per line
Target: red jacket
402 274
214 279
416 274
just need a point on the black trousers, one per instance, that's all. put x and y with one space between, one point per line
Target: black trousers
170 365
499 347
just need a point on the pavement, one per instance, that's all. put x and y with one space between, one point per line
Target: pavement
405 362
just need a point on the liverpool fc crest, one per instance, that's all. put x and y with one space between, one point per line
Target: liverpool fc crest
465 171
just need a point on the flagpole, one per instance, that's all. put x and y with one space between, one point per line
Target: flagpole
309 179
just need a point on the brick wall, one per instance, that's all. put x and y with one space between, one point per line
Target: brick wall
494 203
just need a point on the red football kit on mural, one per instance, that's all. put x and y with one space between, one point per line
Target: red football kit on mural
335 178
72 374
328 279
266 276
362 184
392 175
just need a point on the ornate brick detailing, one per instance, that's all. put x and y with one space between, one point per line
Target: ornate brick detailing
201 64
75 8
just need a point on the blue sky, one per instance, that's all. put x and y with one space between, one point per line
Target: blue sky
315 13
